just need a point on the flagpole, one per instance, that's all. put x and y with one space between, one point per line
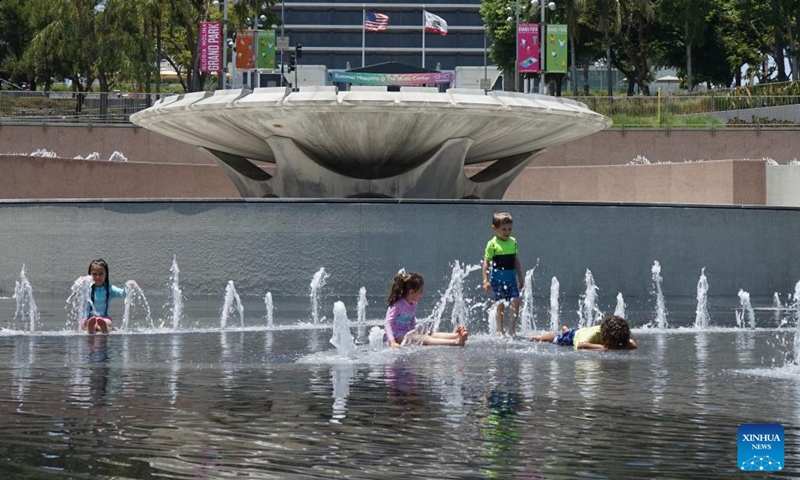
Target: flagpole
363 32
423 36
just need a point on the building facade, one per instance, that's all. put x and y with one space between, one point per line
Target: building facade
332 34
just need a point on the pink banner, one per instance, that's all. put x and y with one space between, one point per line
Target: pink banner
210 47
528 48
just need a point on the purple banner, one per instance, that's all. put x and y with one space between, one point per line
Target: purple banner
528 48
391 78
210 47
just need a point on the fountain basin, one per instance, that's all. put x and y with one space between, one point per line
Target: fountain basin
373 143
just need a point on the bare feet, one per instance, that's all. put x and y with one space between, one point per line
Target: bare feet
462 335
103 325
91 325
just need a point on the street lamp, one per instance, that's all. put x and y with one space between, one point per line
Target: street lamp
516 44
224 74
542 59
542 56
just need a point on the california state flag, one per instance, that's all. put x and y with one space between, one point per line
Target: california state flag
435 23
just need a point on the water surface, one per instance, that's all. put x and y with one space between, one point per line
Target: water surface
281 403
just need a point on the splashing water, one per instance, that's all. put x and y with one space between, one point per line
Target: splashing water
317 282
746 311
702 318
270 310
174 303
117 157
619 310
661 306
23 296
342 339
491 317
232 301
361 309
80 296
134 295
778 306
43 152
554 308
376 338
453 294
797 317
588 312
527 318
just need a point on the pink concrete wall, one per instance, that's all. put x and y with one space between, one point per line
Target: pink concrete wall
610 147
618 147
741 182
717 182
37 177
137 144
160 167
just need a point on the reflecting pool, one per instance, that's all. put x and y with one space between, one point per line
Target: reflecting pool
278 401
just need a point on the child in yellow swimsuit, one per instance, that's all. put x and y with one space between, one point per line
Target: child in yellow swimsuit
613 333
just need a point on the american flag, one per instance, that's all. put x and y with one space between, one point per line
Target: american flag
375 22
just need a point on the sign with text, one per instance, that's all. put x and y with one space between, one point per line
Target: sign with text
556 49
761 447
528 48
210 47
392 78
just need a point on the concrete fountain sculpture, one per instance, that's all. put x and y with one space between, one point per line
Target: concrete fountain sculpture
413 143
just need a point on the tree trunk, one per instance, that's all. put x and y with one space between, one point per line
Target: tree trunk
608 59
574 69
688 55
586 79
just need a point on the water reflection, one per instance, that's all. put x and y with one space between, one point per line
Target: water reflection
24 359
174 367
587 378
236 404
745 344
500 428
99 370
659 372
341 376
402 385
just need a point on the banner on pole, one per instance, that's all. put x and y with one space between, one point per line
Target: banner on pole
556 48
528 48
244 50
266 49
210 47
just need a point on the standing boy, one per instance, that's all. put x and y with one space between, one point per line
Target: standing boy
505 277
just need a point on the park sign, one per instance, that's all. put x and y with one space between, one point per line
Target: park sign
556 48
528 48
210 47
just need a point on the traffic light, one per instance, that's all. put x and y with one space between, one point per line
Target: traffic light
292 63
299 50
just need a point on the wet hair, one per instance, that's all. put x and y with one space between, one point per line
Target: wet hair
101 263
402 283
615 333
501 218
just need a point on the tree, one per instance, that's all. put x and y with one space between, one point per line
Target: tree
502 34
689 18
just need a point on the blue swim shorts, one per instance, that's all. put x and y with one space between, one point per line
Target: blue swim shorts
566 339
507 290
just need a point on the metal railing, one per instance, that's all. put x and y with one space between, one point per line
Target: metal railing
671 111
20 107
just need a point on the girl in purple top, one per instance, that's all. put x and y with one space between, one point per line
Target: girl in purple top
404 295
